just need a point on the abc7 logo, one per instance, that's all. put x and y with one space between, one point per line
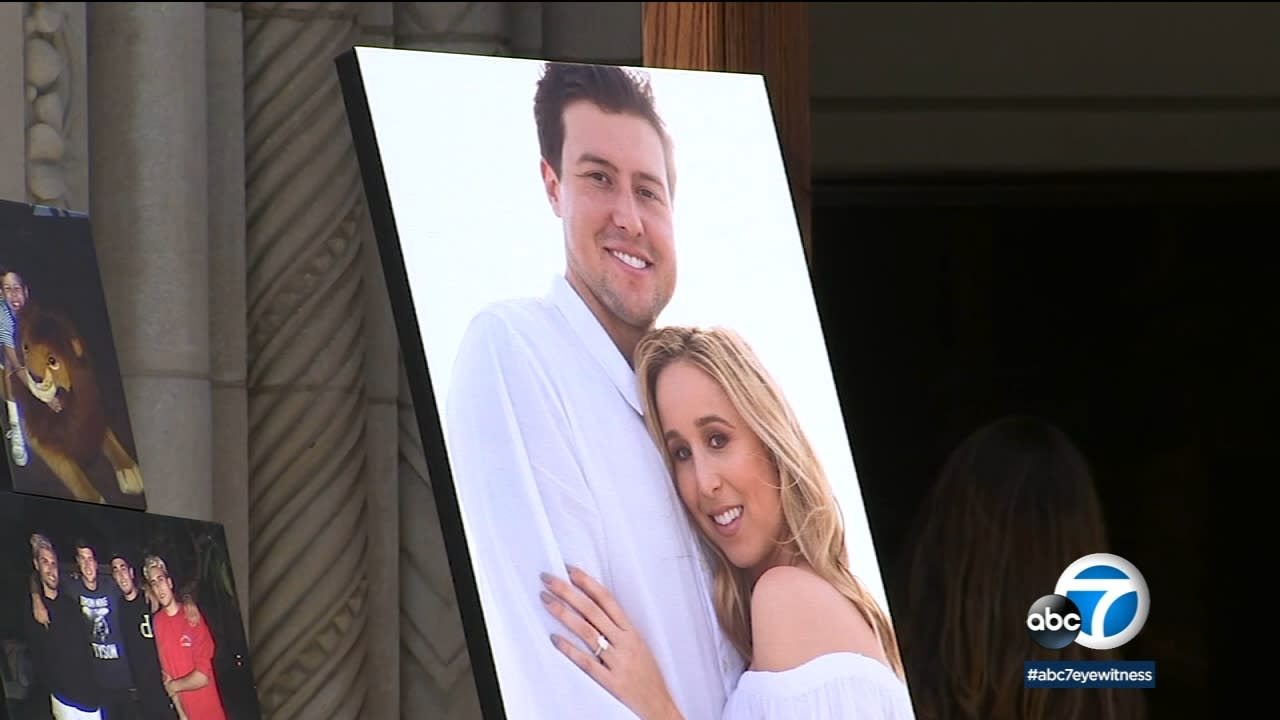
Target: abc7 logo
1101 602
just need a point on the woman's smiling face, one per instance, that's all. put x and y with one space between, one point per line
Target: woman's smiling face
723 472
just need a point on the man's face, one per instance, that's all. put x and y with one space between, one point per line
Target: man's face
15 291
161 586
612 196
47 566
123 575
88 565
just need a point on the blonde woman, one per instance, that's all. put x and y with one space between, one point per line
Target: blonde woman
816 644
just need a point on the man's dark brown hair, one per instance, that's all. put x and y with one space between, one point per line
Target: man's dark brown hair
610 88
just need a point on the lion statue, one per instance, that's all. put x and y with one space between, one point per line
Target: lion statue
63 416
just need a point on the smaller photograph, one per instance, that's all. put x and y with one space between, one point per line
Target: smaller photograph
67 432
112 614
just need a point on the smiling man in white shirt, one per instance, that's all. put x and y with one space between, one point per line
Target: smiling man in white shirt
548 450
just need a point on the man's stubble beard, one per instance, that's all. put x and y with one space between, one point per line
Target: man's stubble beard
639 319
597 283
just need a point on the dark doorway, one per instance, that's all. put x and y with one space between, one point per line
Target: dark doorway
1116 307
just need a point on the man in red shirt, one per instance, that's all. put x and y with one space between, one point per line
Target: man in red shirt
185 649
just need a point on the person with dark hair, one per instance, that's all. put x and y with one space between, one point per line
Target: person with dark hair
548 448
99 601
15 296
612 90
140 643
1013 505
59 641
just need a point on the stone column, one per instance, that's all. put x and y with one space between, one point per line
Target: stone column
307 341
13 102
593 32
435 668
227 319
382 365
480 28
150 212
56 107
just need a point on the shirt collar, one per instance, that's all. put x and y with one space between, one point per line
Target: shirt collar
594 338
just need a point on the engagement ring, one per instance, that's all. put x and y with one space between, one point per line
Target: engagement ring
602 644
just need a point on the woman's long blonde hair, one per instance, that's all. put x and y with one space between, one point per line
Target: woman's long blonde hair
811 514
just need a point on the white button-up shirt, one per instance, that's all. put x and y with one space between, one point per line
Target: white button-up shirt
552 465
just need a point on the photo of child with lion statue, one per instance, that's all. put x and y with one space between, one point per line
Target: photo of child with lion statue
67 432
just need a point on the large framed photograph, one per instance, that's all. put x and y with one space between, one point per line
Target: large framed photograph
112 613
67 432
649 497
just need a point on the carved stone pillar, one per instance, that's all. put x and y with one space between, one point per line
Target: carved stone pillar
478 28
435 668
150 214
56 94
227 322
13 102
307 341
382 364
